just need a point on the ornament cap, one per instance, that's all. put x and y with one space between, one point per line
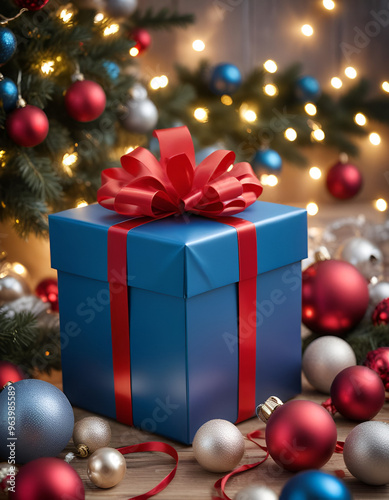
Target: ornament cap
82 450
321 254
6 385
265 410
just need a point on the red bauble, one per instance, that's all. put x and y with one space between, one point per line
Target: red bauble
47 290
85 100
47 479
381 313
378 360
27 126
335 297
344 180
142 39
358 393
300 435
31 4
9 373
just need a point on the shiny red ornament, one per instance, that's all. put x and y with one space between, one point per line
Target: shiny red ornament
380 314
300 435
9 373
31 4
142 39
358 393
85 100
47 478
344 180
335 297
47 290
378 360
27 126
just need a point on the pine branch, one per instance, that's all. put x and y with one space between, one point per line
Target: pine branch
162 19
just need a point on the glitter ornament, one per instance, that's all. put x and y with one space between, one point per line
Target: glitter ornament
8 44
381 313
358 393
31 4
106 467
8 94
378 360
218 446
90 434
324 358
364 255
366 452
299 434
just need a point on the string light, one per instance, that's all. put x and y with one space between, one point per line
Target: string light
269 180
226 100
360 119
111 29
134 52
250 116
47 67
329 4
290 134
312 208
81 203
374 138
19 269
310 109
315 173
307 30
66 15
2 158
270 89
318 134
68 161
381 205
270 66
385 86
98 17
198 45
350 72
336 82
159 82
201 115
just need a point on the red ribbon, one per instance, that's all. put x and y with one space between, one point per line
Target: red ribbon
153 446
147 190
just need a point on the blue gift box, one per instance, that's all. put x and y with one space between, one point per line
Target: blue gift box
182 274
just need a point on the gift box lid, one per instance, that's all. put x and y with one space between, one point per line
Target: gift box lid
181 255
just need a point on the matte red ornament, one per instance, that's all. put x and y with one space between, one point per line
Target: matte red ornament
378 360
9 373
381 313
31 4
358 393
142 39
344 180
27 126
47 478
85 100
300 435
335 297
47 290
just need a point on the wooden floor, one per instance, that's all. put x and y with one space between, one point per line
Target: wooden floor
145 470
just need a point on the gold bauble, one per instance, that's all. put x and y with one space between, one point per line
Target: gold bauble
90 434
218 446
106 467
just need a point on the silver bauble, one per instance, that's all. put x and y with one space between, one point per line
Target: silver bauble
90 434
139 116
256 493
378 292
120 8
364 255
366 452
324 358
12 287
218 446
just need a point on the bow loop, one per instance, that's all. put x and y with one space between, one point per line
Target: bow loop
148 187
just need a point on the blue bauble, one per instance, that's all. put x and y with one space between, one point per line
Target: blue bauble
7 45
268 159
315 485
225 79
8 94
42 417
112 69
308 89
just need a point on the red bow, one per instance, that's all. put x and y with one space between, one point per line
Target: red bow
146 187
